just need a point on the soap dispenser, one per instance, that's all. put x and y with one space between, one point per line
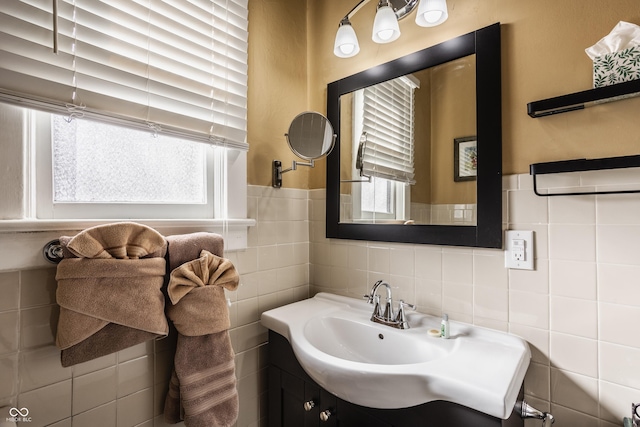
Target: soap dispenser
444 327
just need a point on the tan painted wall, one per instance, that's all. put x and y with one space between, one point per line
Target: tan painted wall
543 55
277 86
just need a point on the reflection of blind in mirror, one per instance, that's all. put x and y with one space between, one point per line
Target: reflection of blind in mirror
377 196
387 119
101 163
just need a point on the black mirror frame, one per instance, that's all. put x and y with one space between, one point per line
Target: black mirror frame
487 233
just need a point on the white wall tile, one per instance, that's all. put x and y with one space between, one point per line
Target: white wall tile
379 259
573 279
490 303
526 207
618 283
574 242
94 389
536 281
615 401
457 267
101 416
572 210
620 365
428 262
10 290
41 367
536 382
489 271
575 354
135 375
617 244
618 209
619 324
402 261
47 405
574 316
529 309
574 391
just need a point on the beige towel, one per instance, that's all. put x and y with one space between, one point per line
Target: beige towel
114 301
187 247
203 384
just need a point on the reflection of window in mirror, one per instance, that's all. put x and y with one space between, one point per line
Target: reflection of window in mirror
383 122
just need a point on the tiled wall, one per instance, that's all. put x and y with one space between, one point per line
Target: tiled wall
128 388
579 309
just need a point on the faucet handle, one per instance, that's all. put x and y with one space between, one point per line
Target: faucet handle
400 317
402 305
369 298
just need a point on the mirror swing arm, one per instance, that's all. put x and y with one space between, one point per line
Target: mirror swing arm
276 180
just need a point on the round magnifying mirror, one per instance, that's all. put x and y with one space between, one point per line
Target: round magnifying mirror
310 136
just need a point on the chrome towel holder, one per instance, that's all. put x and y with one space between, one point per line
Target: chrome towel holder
52 251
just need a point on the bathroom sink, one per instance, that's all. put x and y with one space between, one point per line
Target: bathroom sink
347 336
377 366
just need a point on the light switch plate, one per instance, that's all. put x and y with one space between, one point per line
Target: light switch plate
519 250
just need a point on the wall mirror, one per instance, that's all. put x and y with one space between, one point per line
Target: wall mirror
418 157
310 137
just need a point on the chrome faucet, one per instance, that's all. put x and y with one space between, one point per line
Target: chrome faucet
386 316
525 411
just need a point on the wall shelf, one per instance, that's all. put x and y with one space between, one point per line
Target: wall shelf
583 165
581 100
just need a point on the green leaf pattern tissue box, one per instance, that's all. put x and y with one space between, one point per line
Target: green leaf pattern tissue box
616 67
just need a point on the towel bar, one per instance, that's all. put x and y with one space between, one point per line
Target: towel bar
52 251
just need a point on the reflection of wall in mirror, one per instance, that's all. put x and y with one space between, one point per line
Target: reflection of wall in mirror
453 113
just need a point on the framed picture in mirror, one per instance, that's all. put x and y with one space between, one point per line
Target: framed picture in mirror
465 158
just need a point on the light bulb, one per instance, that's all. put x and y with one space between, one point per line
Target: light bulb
433 16
431 13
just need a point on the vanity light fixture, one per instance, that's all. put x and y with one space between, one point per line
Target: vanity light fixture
385 25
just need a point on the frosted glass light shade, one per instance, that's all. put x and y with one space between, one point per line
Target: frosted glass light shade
385 26
346 44
431 13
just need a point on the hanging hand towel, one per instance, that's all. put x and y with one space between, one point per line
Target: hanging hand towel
203 383
109 290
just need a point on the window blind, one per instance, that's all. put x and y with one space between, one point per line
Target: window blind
387 124
176 66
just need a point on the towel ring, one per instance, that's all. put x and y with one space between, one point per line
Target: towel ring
52 251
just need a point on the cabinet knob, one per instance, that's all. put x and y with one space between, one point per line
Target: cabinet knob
309 405
324 415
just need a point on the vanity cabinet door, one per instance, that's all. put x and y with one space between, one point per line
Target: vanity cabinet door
286 399
350 415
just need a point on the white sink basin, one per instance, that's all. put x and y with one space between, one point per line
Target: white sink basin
381 367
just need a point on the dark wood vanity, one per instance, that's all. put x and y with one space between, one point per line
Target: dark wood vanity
295 400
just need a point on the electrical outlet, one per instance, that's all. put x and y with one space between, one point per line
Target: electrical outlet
519 250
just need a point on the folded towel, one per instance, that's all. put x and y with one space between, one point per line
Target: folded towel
187 247
203 384
196 290
113 301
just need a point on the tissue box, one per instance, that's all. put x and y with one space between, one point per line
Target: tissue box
616 67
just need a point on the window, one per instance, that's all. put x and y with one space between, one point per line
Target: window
89 169
383 125
142 109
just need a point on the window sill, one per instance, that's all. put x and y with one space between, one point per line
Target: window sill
234 230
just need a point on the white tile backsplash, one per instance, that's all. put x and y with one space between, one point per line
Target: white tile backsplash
579 309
